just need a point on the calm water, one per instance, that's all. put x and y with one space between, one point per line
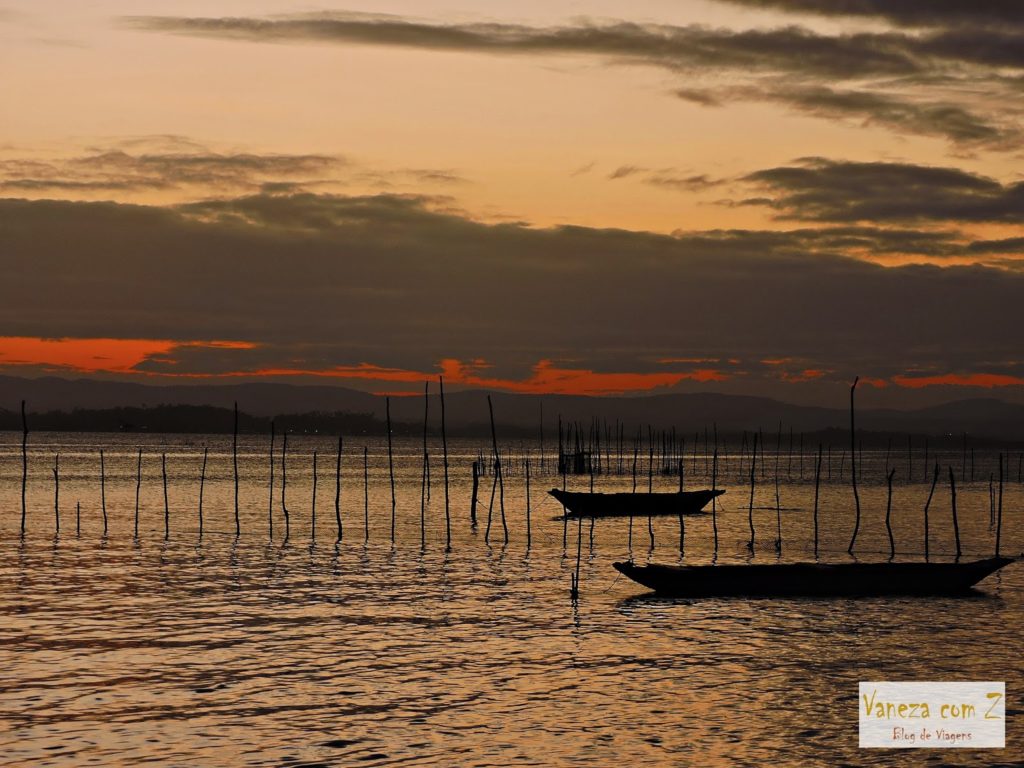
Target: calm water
245 652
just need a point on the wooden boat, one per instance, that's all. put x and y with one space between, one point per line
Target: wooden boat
812 579
579 504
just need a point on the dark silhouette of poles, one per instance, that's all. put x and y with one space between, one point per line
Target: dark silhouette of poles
714 499
817 485
312 512
636 452
270 494
202 484
284 487
234 457
650 479
682 523
956 523
337 490
853 466
103 492
366 496
888 515
24 465
497 469
56 491
426 466
778 501
78 518
391 467
444 448
476 487
927 504
167 508
750 512
529 539
138 488
999 511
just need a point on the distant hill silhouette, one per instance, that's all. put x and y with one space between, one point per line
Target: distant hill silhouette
88 404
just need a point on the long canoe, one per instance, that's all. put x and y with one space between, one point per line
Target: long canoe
812 579
579 504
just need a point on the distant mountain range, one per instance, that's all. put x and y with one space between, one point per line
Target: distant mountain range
467 413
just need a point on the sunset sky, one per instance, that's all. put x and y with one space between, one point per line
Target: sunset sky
746 196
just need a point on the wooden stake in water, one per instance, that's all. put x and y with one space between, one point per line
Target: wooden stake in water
234 456
778 501
56 491
927 504
888 515
497 469
817 485
312 513
391 466
270 495
636 452
284 487
167 508
714 499
444 448
78 518
426 466
476 486
528 533
650 479
202 484
103 492
24 465
999 511
956 523
366 496
750 513
138 488
853 466
337 490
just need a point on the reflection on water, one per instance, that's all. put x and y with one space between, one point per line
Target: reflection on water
247 652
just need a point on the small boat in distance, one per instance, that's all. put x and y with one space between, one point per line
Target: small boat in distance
579 504
812 579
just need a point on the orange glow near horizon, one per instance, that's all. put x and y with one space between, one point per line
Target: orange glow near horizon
985 380
103 355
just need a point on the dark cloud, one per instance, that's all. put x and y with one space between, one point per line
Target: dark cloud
945 82
912 13
400 281
827 190
118 170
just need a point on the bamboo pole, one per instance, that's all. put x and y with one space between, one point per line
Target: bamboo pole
78 518
103 492
817 485
999 512
167 509
24 465
284 487
138 488
636 451
778 502
497 469
234 456
56 491
202 484
312 513
927 504
888 515
366 495
391 467
270 495
426 466
444 448
956 523
650 478
750 513
476 487
529 538
714 499
337 490
853 466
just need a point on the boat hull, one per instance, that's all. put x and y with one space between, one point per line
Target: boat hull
579 504
812 579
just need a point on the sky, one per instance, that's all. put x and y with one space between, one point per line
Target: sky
761 197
